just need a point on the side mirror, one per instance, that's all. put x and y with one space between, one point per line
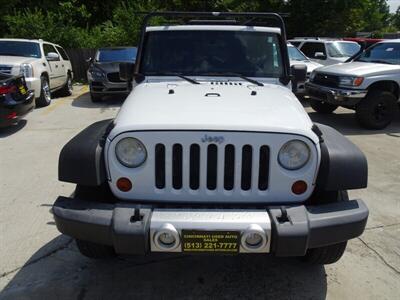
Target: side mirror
126 70
52 56
319 55
299 75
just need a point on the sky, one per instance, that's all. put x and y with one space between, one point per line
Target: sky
394 4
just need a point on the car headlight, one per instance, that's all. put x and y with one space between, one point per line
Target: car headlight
26 70
350 81
130 152
294 155
93 73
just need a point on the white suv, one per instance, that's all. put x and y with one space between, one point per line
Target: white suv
46 66
212 153
326 51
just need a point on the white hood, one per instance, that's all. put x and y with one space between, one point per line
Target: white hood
15 60
153 106
360 69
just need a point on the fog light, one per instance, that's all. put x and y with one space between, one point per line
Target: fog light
124 184
254 238
167 238
299 187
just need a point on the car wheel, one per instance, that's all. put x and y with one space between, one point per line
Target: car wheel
322 107
67 89
45 95
325 255
377 110
95 98
93 250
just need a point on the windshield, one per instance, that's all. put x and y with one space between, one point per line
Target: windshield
296 54
116 54
24 49
201 52
342 49
388 53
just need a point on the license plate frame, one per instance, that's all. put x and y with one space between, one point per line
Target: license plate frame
210 241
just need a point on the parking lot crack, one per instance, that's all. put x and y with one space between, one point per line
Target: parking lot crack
62 247
382 226
380 256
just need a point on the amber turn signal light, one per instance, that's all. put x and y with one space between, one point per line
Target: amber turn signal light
299 187
124 184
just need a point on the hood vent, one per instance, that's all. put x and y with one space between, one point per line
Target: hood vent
225 83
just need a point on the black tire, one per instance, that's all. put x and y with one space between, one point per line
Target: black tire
377 110
95 98
45 95
325 255
332 253
93 250
67 89
322 107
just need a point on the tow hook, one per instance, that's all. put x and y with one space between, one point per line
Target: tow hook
284 216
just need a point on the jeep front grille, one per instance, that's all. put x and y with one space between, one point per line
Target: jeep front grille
236 173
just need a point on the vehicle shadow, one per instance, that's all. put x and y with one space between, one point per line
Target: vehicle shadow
84 101
63 273
345 122
7 131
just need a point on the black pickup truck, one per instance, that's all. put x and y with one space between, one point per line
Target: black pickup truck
15 99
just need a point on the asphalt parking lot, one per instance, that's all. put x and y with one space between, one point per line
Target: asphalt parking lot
36 262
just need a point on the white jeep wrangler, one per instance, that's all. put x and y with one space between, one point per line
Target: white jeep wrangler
46 66
212 153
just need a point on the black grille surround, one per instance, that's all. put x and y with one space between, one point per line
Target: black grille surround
214 153
326 80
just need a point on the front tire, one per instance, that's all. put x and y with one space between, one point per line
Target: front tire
93 250
377 110
95 98
322 107
45 95
325 255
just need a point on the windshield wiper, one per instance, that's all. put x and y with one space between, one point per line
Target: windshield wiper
174 74
232 74
9 54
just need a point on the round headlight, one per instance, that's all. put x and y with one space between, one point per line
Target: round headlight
294 155
130 152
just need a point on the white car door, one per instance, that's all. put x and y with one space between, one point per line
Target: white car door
56 73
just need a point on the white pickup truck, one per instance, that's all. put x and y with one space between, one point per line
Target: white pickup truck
46 66
212 152
370 85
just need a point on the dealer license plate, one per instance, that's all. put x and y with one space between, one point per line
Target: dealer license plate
210 241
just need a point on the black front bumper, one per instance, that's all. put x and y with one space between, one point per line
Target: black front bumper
336 96
12 111
126 228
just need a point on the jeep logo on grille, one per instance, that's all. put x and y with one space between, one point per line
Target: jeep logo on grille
213 139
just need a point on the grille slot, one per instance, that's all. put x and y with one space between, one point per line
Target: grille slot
212 167
263 172
212 157
194 180
5 69
247 159
177 166
229 167
160 166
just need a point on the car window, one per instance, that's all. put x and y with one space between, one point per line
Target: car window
295 54
342 49
296 44
63 54
116 54
47 48
201 52
17 48
310 48
388 53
